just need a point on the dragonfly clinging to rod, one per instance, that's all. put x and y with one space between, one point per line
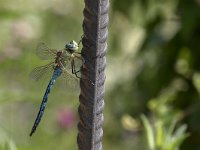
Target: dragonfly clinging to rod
65 63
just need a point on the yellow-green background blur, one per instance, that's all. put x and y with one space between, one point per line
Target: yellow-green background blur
153 68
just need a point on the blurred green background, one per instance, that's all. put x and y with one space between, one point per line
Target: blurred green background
153 75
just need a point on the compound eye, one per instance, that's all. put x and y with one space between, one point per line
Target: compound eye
66 46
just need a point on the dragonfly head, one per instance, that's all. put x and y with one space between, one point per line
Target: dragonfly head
72 46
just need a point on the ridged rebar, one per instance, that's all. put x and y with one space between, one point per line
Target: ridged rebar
95 23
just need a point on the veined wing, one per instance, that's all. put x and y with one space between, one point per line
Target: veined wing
69 80
78 59
41 71
45 53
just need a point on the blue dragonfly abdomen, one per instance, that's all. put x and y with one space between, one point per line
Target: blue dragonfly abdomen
57 72
66 62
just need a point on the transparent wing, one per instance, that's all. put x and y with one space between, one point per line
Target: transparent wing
79 60
45 53
69 81
66 63
41 72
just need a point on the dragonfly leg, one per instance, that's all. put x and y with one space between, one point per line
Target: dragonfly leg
80 40
77 74
74 71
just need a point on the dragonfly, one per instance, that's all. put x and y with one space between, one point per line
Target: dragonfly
64 65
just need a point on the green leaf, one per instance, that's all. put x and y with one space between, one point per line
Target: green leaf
149 132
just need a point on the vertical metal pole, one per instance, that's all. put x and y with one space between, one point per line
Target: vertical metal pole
91 106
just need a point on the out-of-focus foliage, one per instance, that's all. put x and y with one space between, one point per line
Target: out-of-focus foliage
156 67
5 142
153 69
162 138
163 134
